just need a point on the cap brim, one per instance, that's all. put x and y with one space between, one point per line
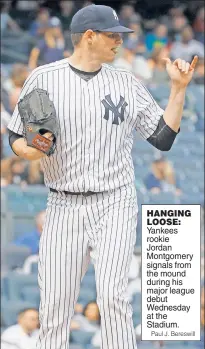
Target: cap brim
118 29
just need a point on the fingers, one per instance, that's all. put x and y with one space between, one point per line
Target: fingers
187 67
182 65
49 135
194 62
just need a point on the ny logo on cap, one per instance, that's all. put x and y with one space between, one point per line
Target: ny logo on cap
118 110
115 14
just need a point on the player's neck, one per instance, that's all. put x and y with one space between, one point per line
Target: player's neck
85 62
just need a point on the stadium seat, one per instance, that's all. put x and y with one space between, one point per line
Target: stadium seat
31 294
81 337
4 288
33 198
3 329
187 199
6 229
17 282
160 91
200 124
137 298
34 268
88 281
86 295
23 222
188 138
144 345
14 256
136 318
179 344
186 163
141 171
163 198
91 270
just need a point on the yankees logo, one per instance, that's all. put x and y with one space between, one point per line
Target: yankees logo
115 14
118 110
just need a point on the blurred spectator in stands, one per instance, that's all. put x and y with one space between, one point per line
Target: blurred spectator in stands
78 308
24 333
137 38
5 118
187 47
17 77
198 77
6 176
39 26
6 21
126 12
19 172
157 38
15 82
162 177
89 320
32 239
5 151
35 173
157 66
25 5
175 20
77 311
178 24
5 98
198 25
128 60
87 3
51 48
67 10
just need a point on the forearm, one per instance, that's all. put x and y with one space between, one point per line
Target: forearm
21 149
174 110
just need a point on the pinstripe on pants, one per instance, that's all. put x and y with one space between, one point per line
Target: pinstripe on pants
103 227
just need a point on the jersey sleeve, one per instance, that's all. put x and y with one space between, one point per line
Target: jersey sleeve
15 123
148 112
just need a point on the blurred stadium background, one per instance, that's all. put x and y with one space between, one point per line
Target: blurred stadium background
23 194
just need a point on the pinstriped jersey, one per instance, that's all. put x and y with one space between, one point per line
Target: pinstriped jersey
96 120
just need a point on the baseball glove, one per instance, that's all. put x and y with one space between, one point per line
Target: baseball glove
38 115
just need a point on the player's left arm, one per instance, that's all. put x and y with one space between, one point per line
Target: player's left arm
180 73
160 127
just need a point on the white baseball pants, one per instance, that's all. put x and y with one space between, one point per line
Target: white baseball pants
103 227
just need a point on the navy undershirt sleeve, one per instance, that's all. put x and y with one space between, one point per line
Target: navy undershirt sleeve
163 137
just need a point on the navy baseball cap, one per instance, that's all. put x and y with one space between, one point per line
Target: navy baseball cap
97 18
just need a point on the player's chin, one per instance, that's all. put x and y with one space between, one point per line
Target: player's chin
110 57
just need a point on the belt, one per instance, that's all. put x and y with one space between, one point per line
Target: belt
85 194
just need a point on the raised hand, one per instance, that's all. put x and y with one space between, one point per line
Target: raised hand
180 71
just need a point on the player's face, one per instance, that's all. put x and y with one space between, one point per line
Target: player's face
107 45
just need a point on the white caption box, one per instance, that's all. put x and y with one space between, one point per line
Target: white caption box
171 272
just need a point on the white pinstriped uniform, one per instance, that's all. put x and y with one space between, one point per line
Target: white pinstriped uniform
93 153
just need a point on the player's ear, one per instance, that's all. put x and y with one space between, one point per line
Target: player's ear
89 35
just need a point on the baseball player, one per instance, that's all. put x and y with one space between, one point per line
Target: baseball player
92 203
